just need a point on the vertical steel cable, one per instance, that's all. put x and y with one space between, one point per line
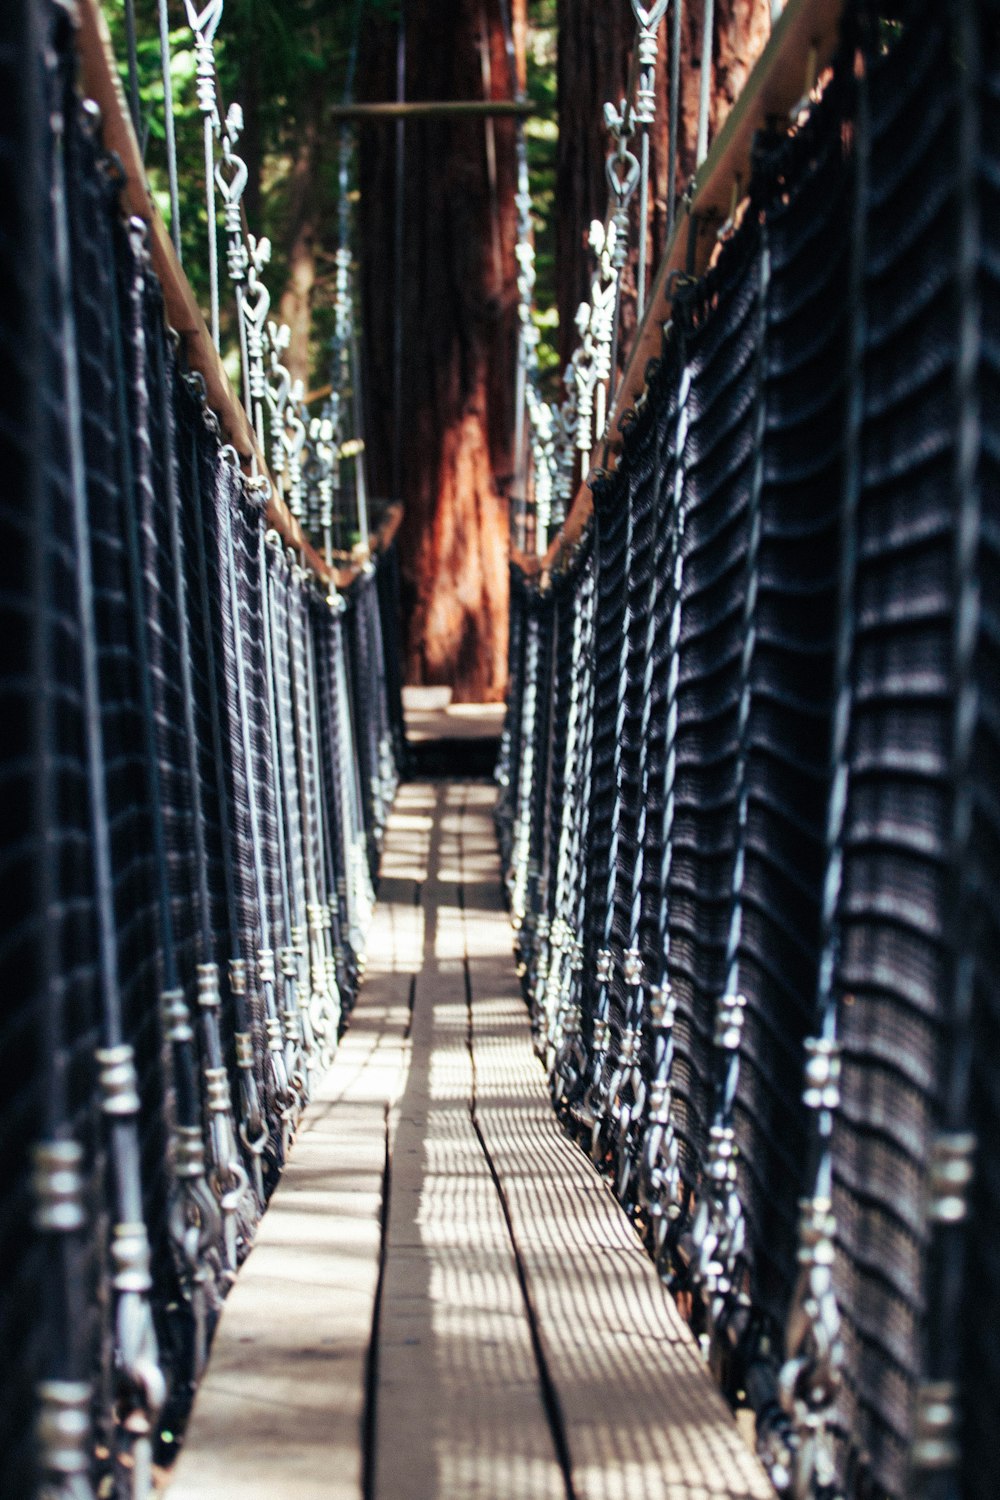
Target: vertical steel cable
811 1377
661 1148
195 1225
673 142
719 1232
398 224
648 21
294 1037
634 967
323 1012
939 1419
705 80
596 1097
142 1387
231 1181
63 1399
169 130
206 512
204 25
264 971
324 895
296 960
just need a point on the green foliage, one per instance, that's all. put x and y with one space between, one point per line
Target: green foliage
266 53
542 137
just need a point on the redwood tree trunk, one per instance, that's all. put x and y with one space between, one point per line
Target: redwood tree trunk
305 209
457 301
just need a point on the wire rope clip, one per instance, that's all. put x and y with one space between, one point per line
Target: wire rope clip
119 1082
59 1187
176 1017
63 1430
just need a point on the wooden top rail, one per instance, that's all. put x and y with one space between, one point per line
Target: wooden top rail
802 43
434 109
100 81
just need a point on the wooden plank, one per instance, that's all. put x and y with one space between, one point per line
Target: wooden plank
431 715
641 1413
279 1411
801 44
459 1412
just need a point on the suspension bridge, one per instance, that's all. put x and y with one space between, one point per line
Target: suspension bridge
624 1121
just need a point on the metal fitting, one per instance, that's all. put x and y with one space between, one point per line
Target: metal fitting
237 976
208 986
628 1046
217 1091
662 1006
119 1083
659 1103
265 965
949 1176
189 1152
936 1425
720 1156
63 1426
130 1258
59 1185
244 1050
817 1232
729 1022
822 1074
633 966
176 1017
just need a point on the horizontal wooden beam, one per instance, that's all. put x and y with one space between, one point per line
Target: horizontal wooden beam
427 109
802 43
100 81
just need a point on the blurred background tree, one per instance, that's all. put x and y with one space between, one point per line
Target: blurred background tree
434 235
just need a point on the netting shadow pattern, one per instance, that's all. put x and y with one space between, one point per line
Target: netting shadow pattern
748 783
203 748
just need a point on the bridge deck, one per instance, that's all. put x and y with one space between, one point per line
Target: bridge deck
444 1297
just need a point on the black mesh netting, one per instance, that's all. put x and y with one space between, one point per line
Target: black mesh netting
194 797
790 826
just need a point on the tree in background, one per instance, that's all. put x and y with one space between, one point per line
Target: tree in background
439 322
284 62
455 299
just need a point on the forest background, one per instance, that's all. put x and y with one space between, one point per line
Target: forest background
432 232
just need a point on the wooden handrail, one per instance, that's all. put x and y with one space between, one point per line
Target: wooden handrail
100 81
802 43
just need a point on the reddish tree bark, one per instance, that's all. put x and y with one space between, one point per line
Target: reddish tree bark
305 208
458 302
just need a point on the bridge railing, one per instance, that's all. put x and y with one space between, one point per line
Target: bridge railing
748 782
204 743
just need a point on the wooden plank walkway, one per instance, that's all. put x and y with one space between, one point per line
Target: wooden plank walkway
445 1302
